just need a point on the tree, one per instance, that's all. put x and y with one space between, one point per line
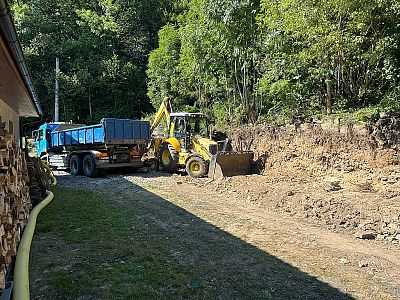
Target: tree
103 48
239 60
339 46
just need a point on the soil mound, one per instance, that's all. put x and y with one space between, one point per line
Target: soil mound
346 178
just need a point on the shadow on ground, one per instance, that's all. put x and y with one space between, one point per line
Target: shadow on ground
129 243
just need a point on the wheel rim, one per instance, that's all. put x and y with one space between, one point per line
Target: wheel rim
165 157
195 167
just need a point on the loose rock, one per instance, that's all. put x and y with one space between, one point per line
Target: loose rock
365 235
289 193
363 264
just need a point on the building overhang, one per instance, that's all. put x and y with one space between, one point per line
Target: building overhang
16 88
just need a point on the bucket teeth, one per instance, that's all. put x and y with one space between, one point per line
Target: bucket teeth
226 164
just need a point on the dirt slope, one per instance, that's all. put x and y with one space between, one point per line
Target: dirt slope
343 180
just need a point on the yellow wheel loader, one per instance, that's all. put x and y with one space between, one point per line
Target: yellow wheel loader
189 146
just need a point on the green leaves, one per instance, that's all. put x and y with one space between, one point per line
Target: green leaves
337 44
103 47
214 59
162 67
252 59
97 23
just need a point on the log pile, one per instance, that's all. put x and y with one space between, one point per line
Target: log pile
39 182
15 202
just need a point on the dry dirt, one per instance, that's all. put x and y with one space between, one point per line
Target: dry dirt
246 207
341 180
327 203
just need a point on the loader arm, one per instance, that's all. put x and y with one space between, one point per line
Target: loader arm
163 112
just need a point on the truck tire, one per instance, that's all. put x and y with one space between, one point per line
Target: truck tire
75 165
168 158
89 166
196 167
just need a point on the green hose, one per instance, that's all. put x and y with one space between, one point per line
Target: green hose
21 270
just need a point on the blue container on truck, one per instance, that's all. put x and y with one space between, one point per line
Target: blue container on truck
109 132
89 149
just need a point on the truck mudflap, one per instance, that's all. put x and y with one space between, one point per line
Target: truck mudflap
226 164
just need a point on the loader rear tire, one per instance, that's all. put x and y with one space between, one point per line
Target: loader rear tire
196 167
168 158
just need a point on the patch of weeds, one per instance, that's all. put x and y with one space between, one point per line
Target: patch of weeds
152 187
396 159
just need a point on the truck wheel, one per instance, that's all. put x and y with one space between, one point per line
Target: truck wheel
75 165
89 166
169 158
196 167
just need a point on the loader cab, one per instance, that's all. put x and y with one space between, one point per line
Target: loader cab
185 126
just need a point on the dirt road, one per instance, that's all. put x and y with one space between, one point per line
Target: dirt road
277 254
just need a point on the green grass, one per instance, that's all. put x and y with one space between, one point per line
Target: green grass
129 243
354 116
152 187
113 257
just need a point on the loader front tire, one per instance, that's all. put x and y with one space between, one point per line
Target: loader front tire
196 167
168 158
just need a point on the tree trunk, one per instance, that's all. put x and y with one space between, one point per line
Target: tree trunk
238 88
328 96
90 104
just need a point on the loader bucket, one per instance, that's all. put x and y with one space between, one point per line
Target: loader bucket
226 164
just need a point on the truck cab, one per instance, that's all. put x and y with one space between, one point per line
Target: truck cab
42 137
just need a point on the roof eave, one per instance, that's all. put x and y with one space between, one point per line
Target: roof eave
7 29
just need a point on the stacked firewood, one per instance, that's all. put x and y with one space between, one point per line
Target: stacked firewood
15 202
38 180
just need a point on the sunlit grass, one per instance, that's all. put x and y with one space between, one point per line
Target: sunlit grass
113 257
133 244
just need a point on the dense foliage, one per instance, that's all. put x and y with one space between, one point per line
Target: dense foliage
103 47
250 60
239 60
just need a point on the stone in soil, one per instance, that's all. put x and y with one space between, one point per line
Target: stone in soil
365 234
290 193
363 264
344 261
393 228
332 185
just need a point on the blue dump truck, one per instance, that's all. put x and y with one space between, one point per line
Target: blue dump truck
114 143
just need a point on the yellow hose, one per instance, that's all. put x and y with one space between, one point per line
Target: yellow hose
21 270
49 173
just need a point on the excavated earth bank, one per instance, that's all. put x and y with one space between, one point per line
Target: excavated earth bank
345 178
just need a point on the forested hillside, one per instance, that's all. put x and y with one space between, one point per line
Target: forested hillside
239 60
